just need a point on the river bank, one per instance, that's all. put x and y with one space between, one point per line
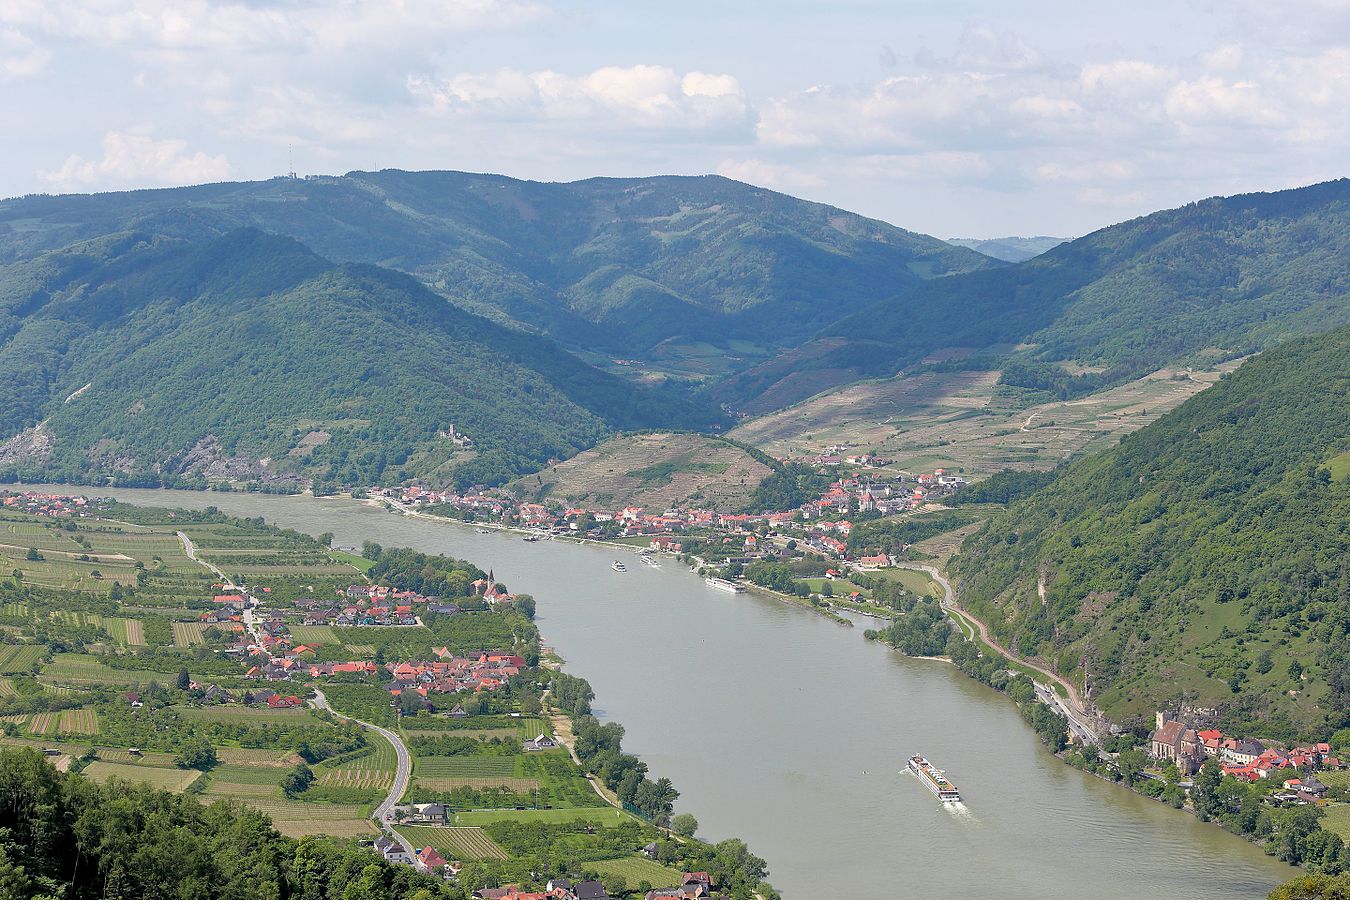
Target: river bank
789 731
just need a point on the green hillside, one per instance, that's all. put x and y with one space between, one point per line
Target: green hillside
1204 559
149 359
619 265
1210 281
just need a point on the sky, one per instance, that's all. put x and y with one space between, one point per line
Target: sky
959 119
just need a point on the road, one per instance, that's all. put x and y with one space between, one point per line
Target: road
191 550
1079 720
402 772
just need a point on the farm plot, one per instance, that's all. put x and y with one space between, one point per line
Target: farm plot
245 774
245 715
514 785
7 688
598 816
43 723
151 758
246 756
314 634
636 869
166 779
127 632
374 770
297 819
465 767
456 843
79 721
79 669
189 634
16 658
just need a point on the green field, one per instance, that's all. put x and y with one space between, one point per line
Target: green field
314 634
297 819
79 721
455 843
606 815
374 770
79 669
15 658
637 869
253 715
465 766
167 779
1337 818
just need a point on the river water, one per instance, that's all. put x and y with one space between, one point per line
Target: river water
791 731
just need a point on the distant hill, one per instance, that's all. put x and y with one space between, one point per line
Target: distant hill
1202 560
149 359
621 266
1209 281
1009 249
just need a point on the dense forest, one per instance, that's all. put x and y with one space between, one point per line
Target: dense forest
63 836
1202 560
150 360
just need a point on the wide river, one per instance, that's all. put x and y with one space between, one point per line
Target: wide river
791 731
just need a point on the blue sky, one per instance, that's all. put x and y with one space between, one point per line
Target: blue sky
957 118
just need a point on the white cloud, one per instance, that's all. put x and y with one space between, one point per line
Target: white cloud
642 96
137 160
778 176
1098 170
20 57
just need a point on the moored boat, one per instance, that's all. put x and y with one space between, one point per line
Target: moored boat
723 584
934 779
618 566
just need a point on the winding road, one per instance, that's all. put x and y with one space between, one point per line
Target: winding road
402 771
1073 708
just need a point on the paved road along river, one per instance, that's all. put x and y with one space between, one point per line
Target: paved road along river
791 731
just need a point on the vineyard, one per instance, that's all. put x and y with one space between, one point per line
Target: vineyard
164 778
297 819
16 658
637 869
188 634
374 770
79 721
456 843
515 785
43 723
466 767
314 634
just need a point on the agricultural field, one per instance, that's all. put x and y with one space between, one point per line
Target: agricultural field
600 815
465 767
912 580
959 420
165 778
257 758
315 634
455 843
252 715
294 818
189 634
652 470
515 785
79 721
637 869
44 723
79 670
18 658
374 770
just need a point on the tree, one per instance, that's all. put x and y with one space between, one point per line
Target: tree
298 780
1314 887
195 754
184 680
1205 792
33 555
1131 763
684 825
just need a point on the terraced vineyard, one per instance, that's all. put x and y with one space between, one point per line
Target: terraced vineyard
43 723
456 843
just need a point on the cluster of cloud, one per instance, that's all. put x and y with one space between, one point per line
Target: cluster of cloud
991 115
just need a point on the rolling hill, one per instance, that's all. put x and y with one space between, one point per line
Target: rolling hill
1210 281
629 267
1009 249
150 359
1202 560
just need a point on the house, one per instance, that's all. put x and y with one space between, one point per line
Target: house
880 561
276 701
429 861
589 890
429 814
392 850
543 742
692 885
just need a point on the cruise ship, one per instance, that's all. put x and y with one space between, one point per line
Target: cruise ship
934 779
722 584
618 566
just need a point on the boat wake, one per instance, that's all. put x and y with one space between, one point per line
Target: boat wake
960 810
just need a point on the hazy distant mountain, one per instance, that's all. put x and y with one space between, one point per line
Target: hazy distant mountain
618 265
1201 560
1009 249
151 359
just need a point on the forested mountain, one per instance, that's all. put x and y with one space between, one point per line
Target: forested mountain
1205 559
620 265
153 359
1212 280
1009 249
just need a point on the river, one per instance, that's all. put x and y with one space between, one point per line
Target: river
790 731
